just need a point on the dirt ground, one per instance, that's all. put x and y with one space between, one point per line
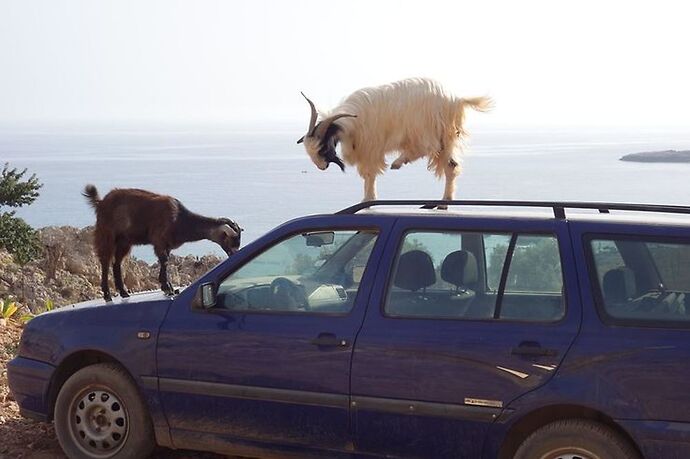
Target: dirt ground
23 438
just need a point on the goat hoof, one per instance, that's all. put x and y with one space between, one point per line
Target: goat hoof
124 294
395 166
108 297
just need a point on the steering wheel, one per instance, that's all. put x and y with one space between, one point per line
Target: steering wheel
288 294
651 299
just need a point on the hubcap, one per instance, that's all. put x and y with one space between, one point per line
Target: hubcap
98 422
570 453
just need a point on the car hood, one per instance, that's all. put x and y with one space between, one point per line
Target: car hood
97 325
136 298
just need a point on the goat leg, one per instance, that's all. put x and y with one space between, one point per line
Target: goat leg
369 187
119 283
121 251
104 281
166 286
451 171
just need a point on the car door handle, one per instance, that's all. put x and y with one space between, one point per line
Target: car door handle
532 349
328 340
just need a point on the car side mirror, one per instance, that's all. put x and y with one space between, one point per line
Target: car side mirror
205 297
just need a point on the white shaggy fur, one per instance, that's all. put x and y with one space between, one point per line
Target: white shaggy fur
415 118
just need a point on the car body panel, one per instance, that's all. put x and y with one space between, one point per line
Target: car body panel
109 329
634 375
255 375
648 366
465 365
29 381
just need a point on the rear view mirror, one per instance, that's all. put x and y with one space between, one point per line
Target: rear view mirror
205 297
319 239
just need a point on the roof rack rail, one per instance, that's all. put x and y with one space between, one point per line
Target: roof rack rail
557 206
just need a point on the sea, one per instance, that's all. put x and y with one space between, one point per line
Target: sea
261 178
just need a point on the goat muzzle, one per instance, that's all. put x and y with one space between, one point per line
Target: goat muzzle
336 159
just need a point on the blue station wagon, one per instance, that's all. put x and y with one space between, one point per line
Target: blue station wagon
490 330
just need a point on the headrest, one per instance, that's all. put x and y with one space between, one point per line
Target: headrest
459 268
415 271
619 285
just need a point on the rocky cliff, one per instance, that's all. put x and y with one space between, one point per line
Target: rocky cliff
68 270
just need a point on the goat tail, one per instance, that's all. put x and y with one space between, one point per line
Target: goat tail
481 104
91 194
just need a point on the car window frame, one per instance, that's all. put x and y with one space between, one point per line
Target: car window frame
596 288
227 273
504 273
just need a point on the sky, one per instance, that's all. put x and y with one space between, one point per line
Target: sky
588 63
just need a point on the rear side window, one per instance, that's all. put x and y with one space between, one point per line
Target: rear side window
642 281
534 285
535 266
673 263
472 275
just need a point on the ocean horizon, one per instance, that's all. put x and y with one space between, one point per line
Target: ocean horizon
262 178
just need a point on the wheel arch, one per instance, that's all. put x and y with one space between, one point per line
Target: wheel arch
70 365
540 417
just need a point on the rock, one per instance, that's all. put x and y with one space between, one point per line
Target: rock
666 156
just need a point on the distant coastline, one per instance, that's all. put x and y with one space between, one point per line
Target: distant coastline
666 156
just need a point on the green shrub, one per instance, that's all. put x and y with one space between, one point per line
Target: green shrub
48 305
20 239
16 236
7 309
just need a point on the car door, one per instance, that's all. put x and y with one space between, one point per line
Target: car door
271 361
467 314
635 339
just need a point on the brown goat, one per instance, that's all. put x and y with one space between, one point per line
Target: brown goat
127 217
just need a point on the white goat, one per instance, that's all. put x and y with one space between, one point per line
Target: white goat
414 117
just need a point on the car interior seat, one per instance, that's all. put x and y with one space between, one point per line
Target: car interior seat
415 273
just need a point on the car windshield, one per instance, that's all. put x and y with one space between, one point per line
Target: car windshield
318 271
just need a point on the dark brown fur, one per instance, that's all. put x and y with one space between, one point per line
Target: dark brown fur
127 217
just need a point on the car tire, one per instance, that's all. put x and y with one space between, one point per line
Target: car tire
99 414
576 439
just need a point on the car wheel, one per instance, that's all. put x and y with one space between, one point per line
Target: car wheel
99 414
576 439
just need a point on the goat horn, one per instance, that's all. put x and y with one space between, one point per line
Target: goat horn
323 126
229 230
314 115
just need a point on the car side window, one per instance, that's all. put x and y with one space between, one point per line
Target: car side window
642 281
458 275
534 284
317 272
608 257
495 249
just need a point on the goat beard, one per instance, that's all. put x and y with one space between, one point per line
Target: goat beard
335 159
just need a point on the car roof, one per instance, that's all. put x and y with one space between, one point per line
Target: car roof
638 214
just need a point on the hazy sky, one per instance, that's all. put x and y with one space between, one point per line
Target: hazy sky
551 62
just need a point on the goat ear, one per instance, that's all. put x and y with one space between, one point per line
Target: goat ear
301 139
